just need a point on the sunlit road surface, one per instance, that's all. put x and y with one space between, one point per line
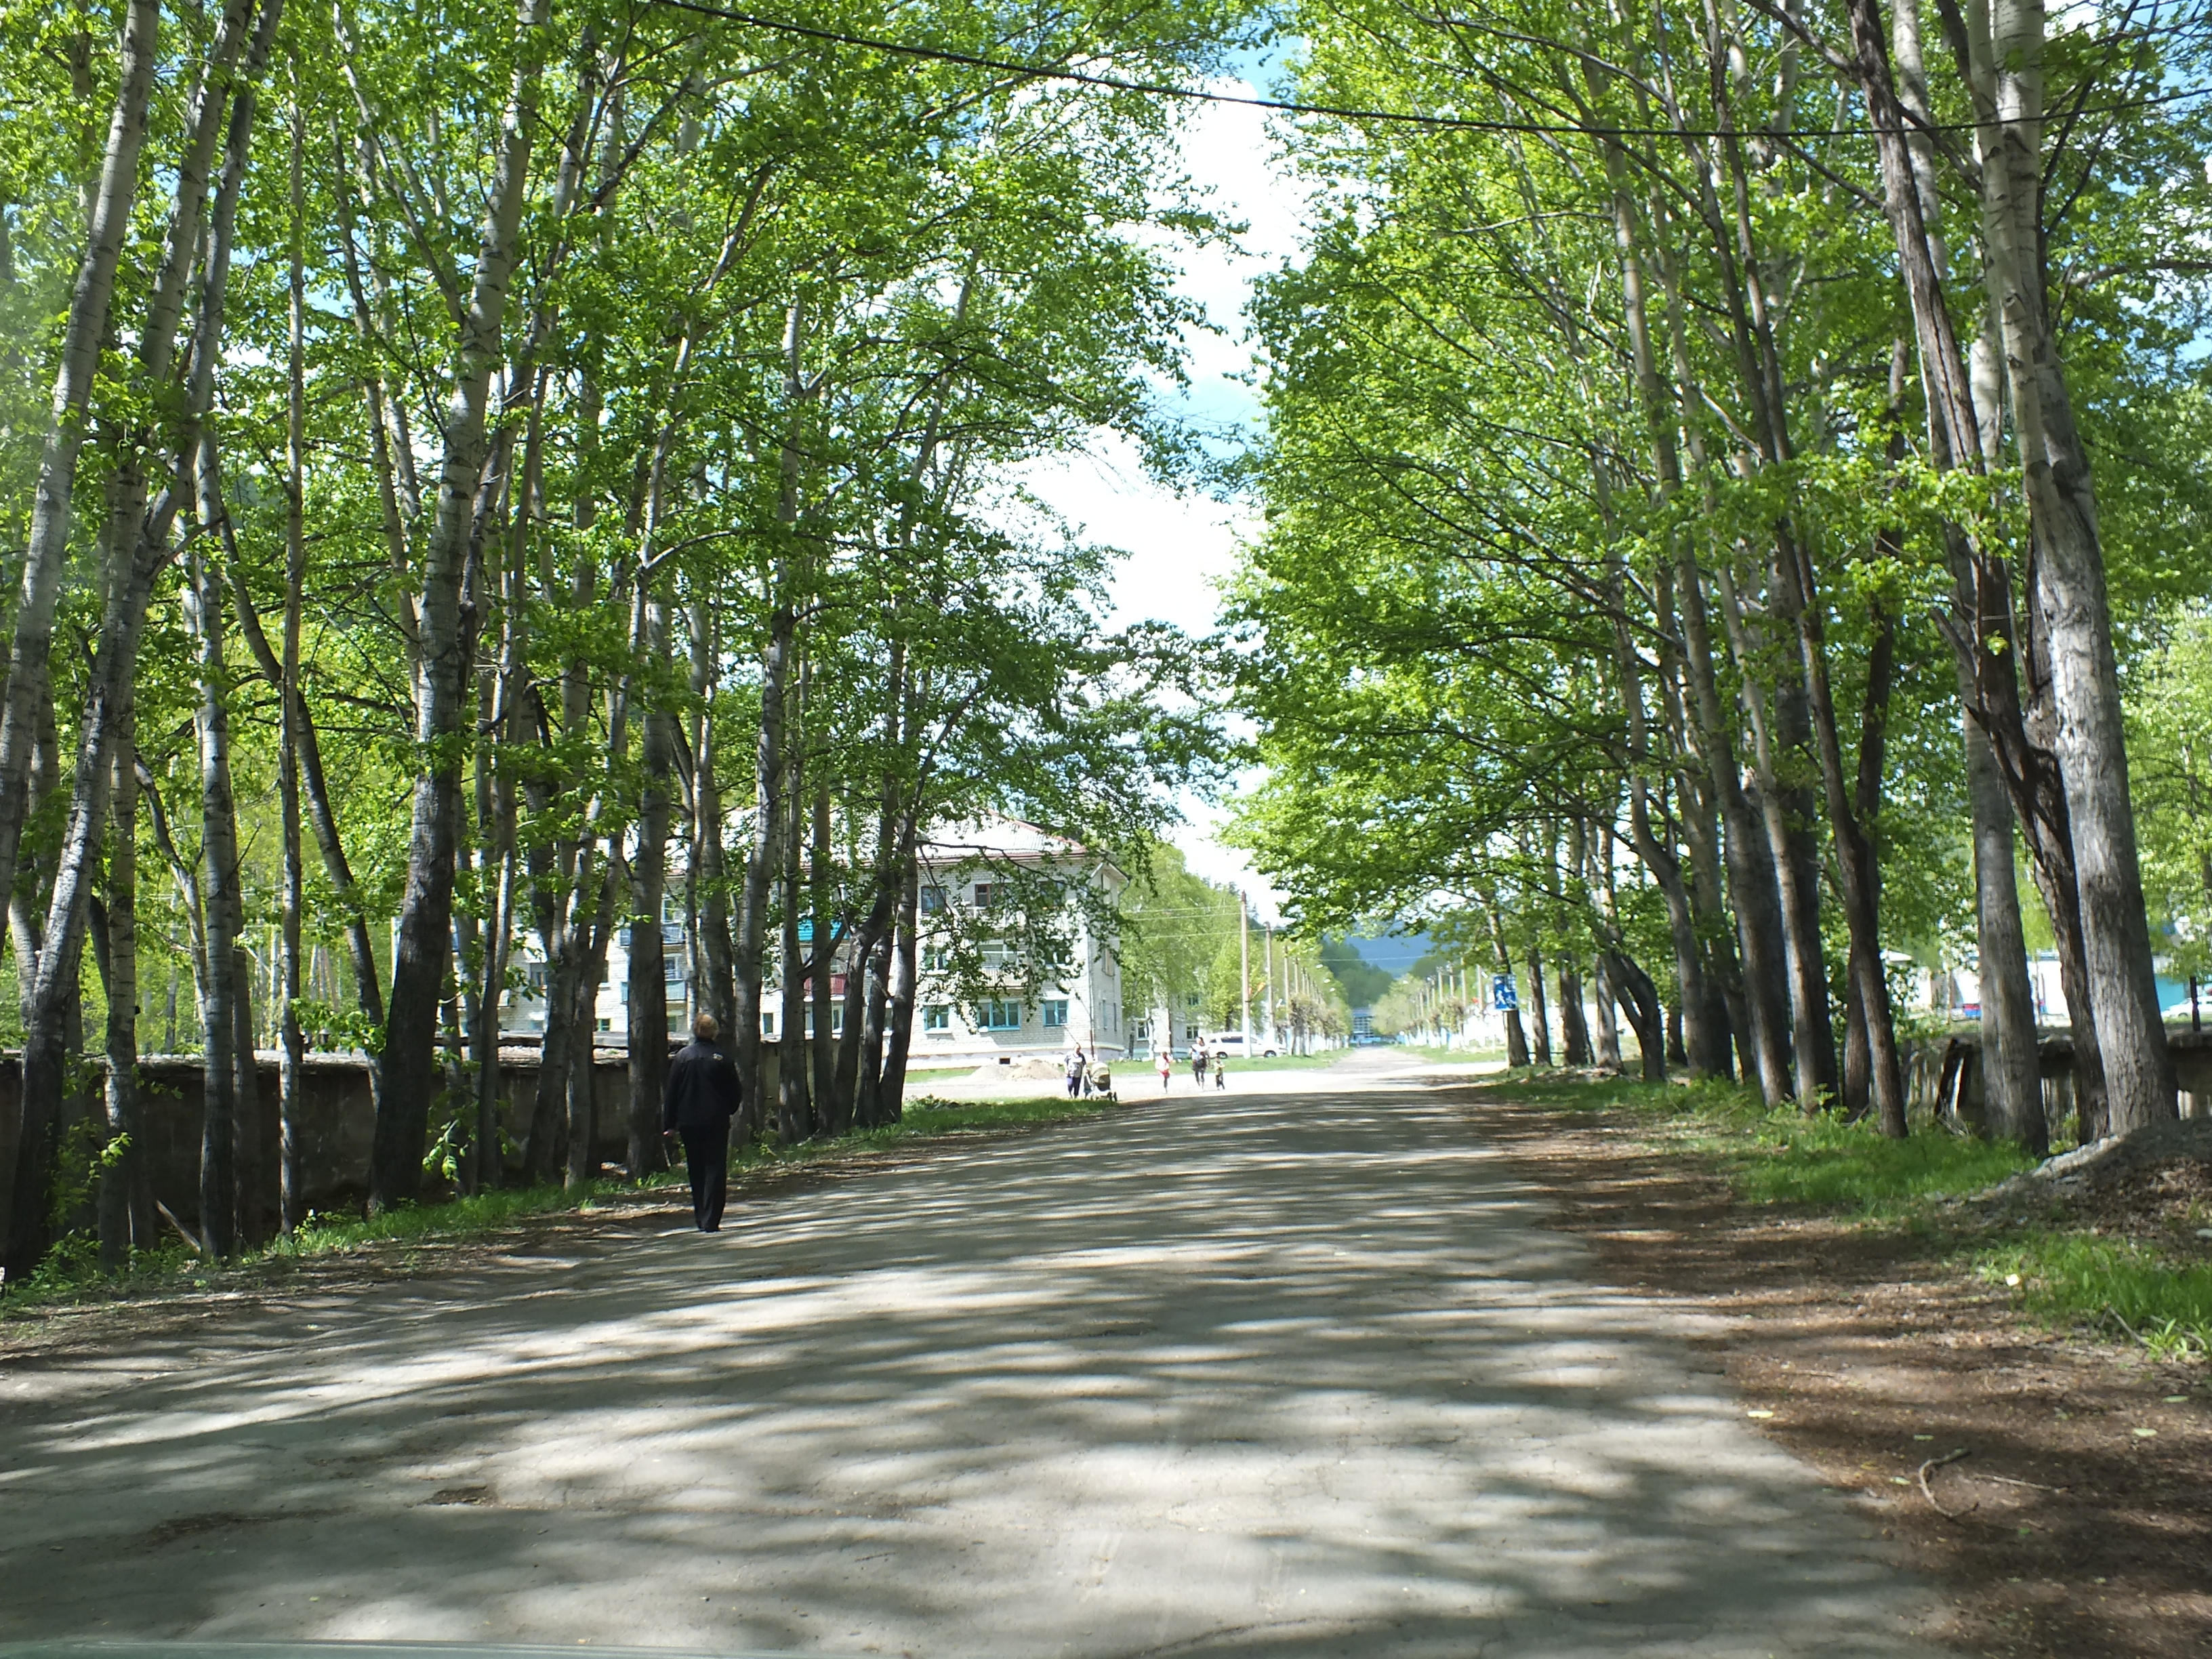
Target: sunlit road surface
1297 1372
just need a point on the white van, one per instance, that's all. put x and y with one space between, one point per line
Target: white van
1232 1044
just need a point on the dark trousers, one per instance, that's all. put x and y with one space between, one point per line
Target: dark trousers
707 1155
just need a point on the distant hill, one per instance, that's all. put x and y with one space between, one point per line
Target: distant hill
1395 955
1362 980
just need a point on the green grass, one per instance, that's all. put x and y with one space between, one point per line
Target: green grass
2060 1276
938 1117
72 1274
1451 1056
1785 1157
2066 1278
1144 1068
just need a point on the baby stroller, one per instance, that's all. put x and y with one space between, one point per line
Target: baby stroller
1102 1081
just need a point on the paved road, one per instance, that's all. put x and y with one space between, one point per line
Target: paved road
1282 1374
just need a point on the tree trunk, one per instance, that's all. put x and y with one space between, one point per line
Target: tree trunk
1537 1011
137 550
47 544
1639 1000
292 1044
557 1049
648 971
249 1170
1858 873
793 1118
1573 1025
867 978
1708 1044
830 940
868 1093
1964 435
717 969
1517 1036
1609 1034
767 755
1748 859
905 977
423 958
2012 1086
219 906
126 1199
593 930
2068 590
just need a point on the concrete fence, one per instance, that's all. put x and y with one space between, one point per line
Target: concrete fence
337 1121
1943 1076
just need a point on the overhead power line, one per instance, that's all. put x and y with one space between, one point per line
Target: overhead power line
1340 112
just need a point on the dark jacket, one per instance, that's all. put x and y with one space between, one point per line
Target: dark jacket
704 1092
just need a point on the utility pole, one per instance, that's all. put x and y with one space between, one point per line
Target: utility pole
1267 1001
1244 967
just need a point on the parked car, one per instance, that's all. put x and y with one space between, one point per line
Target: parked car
1232 1044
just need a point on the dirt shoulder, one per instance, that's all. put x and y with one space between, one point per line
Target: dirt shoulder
2078 1521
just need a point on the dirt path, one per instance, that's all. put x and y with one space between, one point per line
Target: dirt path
1294 1373
2069 1515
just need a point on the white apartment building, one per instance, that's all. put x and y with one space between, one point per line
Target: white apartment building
965 873
971 875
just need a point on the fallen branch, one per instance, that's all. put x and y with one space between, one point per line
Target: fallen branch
191 1243
2007 1480
1927 1492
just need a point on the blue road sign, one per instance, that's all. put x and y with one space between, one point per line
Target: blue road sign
1503 996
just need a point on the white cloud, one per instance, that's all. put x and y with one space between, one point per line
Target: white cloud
1181 547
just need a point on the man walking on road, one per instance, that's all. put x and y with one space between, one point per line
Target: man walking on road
703 1095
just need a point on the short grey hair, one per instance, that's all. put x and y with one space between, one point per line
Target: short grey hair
705 1028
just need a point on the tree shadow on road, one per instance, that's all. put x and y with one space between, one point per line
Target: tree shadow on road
1292 1376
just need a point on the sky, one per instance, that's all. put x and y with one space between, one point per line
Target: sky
1179 548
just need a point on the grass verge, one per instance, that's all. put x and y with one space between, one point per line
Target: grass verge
1142 1066
72 1276
2059 1273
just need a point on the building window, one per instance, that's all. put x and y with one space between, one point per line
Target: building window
1055 1013
936 957
1002 1014
937 1017
767 1022
983 895
671 968
933 900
